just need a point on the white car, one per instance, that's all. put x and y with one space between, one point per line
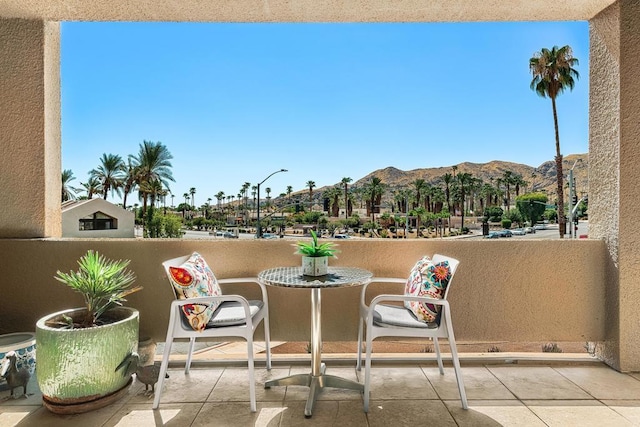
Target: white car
341 236
518 232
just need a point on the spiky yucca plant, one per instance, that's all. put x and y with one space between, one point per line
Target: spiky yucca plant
103 284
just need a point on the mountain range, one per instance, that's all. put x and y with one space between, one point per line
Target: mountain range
541 178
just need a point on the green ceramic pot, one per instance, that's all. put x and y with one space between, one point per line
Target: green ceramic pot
78 365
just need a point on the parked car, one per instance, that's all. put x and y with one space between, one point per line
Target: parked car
492 235
269 236
530 230
505 233
229 235
519 232
540 227
341 236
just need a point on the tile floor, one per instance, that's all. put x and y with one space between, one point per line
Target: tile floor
401 395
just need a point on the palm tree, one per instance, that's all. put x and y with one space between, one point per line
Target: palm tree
192 192
345 182
153 163
311 186
289 191
419 185
464 181
110 173
219 196
130 179
553 72
68 192
92 186
507 180
374 189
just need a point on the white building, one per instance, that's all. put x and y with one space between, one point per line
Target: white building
96 218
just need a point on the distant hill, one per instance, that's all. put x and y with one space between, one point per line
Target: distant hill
538 178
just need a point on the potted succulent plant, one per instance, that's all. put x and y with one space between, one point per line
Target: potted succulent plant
315 255
79 349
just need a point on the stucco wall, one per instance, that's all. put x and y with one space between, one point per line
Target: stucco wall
504 290
30 128
614 155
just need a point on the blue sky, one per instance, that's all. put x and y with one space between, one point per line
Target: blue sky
235 102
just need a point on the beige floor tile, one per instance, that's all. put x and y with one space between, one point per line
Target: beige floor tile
629 409
537 382
231 414
234 386
479 383
583 413
490 413
398 413
329 393
11 416
603 382
139 415
325 414
42 417
178 388
390 382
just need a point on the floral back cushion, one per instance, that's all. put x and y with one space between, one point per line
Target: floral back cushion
195 279
427 279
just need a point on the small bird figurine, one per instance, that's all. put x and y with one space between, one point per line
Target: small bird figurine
147 375
15 377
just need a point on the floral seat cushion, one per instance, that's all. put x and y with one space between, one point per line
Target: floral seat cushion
427 279
195 279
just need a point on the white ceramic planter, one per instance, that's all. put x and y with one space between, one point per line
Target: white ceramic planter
24 345
315 266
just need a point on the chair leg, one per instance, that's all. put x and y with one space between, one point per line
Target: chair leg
360 330
436 345
367 373
187 366
267 341
456 366
163 371
252 382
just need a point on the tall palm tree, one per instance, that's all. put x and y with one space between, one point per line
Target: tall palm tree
68 192
311 185
507 180
464 181
192 192
92 186
289 191
374 189
129 180
419 186
153 163
219 196
345 182
447 178
110 173
553 72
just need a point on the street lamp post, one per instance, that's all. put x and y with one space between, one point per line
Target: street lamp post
259 226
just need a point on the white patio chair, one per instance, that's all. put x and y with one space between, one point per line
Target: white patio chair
384 320
235 317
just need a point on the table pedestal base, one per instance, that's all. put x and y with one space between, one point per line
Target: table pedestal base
316 384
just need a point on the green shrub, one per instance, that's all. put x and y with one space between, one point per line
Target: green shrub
506 223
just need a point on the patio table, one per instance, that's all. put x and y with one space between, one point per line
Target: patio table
337 277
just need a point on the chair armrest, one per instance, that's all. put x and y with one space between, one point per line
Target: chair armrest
378 280
252 280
